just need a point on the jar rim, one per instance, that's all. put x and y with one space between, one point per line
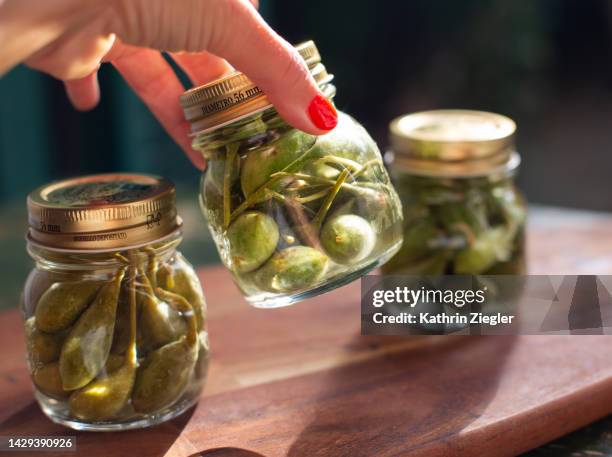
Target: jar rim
176 233
454 142
327 88
102 211
234 96
456 170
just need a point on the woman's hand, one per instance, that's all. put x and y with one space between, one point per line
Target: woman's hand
69 39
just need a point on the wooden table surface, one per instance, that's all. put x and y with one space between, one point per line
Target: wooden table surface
301 381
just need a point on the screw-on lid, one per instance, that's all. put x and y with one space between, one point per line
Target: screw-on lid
309 52
454 142
235 96
102 212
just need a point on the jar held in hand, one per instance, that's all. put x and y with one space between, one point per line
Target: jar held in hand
115 327
293 215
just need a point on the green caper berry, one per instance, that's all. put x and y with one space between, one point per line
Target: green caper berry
347 238
292 269
253 237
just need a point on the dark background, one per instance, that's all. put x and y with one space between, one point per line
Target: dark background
546 64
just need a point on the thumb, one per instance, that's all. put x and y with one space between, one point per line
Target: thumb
243 38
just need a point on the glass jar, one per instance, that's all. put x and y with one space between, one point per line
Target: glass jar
293 215
114 314
454 171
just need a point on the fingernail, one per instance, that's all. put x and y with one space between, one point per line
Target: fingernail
322 113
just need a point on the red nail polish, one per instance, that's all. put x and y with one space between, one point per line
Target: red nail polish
322 113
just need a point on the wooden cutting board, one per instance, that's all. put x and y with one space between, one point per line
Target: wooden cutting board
301 381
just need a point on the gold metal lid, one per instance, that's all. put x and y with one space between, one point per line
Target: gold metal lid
309 52
454 142
235 96
102 212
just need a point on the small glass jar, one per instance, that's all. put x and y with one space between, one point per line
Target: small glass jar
293 215
454 171
114 315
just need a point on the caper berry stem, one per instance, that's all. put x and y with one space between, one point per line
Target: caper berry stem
342 162
313 197
131 355
168 282
122 258
291 202
260 195
232 150
301 224
357 188
152 265
304 177
323 210
365 167
185 308
299 163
